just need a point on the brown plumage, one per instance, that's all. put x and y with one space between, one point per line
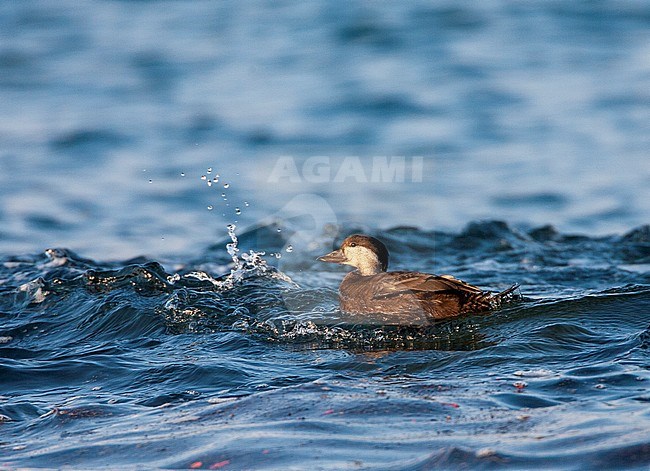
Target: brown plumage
403 297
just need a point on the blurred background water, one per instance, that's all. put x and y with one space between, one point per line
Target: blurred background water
535 113
143 128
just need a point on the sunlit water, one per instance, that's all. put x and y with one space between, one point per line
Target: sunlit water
536 112
160 300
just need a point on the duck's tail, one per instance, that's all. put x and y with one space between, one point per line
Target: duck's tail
506 295
486 301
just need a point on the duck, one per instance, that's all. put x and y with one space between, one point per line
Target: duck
404 297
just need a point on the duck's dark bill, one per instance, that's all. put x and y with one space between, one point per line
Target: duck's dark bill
334 257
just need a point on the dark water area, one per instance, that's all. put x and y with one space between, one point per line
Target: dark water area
133 363
170 170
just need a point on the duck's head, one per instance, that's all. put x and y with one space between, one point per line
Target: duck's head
365 253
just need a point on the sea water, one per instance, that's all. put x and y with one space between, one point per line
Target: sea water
169 172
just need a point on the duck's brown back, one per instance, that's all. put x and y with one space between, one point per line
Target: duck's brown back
410 297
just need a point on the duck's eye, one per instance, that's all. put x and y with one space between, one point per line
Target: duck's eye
353 244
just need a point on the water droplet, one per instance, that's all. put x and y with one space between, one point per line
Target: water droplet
278 255
203 177
209 183
210 207
150 181
245 203
215 179
209 169
162 238
279 230
182 174
289 248
237 211
223 195
226 185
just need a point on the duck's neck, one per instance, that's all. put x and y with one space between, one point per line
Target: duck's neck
369 268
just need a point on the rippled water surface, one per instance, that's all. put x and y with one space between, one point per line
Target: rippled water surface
138 330
135 363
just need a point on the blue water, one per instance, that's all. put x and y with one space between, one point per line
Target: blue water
498 142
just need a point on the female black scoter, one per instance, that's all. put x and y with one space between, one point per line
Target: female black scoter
403 297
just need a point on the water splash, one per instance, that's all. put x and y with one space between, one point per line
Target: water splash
232 248
251 262
245 265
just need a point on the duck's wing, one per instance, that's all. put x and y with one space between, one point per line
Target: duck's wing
396 283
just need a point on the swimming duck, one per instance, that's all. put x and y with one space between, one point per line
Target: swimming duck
403 297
